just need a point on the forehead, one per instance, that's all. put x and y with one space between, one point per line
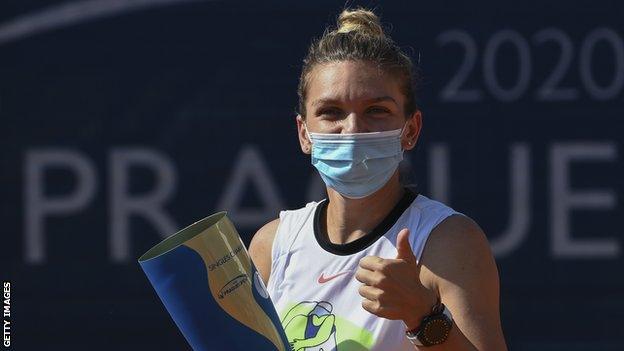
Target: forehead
351 81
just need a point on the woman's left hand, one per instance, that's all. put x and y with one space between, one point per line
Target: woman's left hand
391 286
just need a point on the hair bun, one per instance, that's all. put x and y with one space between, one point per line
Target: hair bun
359 20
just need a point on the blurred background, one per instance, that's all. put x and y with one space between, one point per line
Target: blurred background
125 120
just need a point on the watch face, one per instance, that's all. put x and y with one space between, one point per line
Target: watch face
435 330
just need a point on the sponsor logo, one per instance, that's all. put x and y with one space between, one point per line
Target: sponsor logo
322 279
232 285
225 258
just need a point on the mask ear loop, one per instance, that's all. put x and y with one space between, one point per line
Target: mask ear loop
308 134
401 136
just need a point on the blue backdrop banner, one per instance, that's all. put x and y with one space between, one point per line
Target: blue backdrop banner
125 121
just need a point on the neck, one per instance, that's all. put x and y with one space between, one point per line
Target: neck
347 219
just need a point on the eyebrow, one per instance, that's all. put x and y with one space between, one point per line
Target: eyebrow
323 101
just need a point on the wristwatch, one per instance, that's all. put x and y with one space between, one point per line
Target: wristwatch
434 328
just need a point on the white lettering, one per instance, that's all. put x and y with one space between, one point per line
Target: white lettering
563 200
150 206
519 212
38 206
250 167
439 170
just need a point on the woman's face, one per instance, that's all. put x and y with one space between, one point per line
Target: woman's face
355 97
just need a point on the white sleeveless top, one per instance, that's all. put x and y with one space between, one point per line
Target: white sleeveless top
312 283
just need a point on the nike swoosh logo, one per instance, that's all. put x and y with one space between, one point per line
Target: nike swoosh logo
323 280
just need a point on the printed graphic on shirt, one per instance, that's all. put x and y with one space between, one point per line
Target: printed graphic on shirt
311 326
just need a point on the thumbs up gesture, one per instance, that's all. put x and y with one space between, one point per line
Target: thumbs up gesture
391 287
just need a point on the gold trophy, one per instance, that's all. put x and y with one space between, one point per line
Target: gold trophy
212 290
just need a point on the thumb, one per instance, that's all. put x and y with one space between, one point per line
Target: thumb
404 249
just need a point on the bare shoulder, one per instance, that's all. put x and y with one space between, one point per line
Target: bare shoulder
457 246
260 248
458 263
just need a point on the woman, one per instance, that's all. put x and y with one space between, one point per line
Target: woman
374 266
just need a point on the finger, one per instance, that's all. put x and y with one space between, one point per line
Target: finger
371 278
404 249
373 307
372 263
371 293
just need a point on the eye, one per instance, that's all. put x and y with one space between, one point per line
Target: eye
377 110
330 111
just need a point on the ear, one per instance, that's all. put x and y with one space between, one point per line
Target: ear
304 142
413 126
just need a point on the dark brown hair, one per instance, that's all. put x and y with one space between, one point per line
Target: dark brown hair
359 37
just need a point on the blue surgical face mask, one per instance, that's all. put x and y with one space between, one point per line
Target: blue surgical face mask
356 165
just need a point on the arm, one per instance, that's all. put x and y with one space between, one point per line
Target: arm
458 264
260 249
